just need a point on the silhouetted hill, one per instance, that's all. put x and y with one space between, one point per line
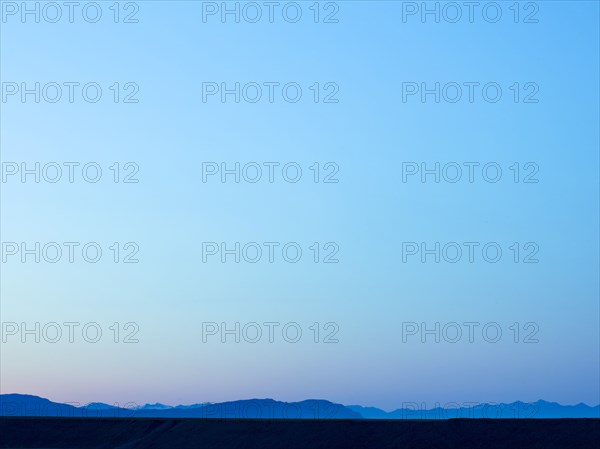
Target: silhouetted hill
27 405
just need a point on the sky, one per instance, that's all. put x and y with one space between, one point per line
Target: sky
364 262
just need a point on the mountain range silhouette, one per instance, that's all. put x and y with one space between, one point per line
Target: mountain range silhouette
35 406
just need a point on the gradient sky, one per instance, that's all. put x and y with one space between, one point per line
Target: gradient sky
369 133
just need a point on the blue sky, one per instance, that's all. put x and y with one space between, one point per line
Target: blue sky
369 133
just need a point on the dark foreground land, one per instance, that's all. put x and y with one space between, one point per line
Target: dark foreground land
89 433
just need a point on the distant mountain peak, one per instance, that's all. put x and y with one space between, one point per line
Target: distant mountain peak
155 406
100 406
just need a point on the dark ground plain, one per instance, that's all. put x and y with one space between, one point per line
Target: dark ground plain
105 433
